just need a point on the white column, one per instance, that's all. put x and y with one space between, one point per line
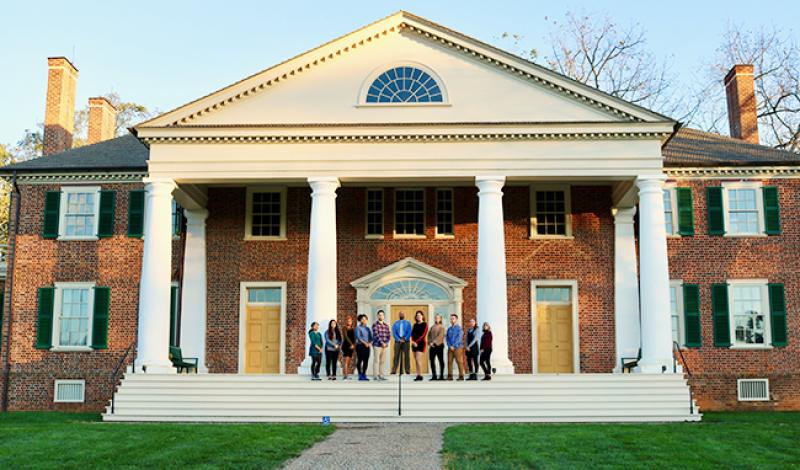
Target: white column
193 290
655 316
491 283
626 286
322 281
154 288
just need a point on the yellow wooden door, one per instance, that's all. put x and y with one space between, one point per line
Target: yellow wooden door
554 337
263 340
410 311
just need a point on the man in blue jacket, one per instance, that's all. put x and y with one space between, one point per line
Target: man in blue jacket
455 348
401 332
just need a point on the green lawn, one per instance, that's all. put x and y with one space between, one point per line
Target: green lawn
81 441
722 440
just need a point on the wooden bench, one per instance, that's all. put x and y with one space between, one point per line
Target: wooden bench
180 362
628 363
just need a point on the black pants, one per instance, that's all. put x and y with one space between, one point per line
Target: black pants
486 364
472 360
402 357
362 358
316 362
331 357
436 352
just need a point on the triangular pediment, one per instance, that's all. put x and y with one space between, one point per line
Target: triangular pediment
408 268
326 85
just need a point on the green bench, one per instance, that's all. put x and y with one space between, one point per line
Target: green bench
628 363
182 363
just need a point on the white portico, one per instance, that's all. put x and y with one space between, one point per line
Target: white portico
491 121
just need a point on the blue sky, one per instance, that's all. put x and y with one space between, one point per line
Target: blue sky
165 53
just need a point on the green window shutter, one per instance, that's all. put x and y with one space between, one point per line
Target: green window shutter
719 309
44 322
685 211
102 301
772 212
173 316
136 214
777 312
716 216
691 314
52 207
105 226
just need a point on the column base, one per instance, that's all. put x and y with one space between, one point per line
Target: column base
155 369
305 367
655 366
502 366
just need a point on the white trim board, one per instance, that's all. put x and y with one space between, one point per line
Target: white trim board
573 285
243 286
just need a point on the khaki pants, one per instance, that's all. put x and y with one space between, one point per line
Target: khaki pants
378 361
458 355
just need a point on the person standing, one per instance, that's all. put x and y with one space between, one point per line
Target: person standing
315 350
333 345
401 331
486 352
455 348
436 348
473 349
419 339
381 338
348 347
363 345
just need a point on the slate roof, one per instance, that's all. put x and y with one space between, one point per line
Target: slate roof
687 148
119 154
694 148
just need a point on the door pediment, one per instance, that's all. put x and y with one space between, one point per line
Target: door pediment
407 268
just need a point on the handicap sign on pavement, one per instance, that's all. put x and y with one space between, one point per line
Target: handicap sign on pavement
326 420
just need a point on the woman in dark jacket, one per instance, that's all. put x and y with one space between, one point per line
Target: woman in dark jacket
348 346
419 339
315 350
486 351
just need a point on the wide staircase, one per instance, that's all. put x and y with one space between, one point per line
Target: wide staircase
514 398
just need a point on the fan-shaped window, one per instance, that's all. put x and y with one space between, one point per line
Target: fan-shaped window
410 290
404 85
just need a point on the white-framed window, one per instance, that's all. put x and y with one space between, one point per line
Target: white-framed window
409 213
551 212
749 313
676 311
374 213
79 213
670 210
743 208
266 214
72 316
444 213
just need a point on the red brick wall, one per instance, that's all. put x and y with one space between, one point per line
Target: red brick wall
588 258
114 262
706 260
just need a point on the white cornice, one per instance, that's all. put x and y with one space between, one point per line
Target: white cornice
723 172
99 176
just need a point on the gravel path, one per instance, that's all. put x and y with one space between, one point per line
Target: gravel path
370 446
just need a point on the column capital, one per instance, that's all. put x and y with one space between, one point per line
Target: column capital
323 185
650 183
623 215
195 216
490 184
158 186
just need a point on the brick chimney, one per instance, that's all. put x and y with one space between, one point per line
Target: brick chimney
740 90
59 114
102 120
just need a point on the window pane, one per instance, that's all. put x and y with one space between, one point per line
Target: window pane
264 294
404 85
409 212
374 212
74 317
551 217
410 290
553 294
444 211
673 309
266 217
668 211
743 211
748 317
79 215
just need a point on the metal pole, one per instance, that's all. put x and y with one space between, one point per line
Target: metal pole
400 391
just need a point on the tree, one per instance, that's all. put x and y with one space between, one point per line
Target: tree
594 50
128 114
775 55
6 158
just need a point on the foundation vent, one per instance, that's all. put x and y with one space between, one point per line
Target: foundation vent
69 391
753 389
